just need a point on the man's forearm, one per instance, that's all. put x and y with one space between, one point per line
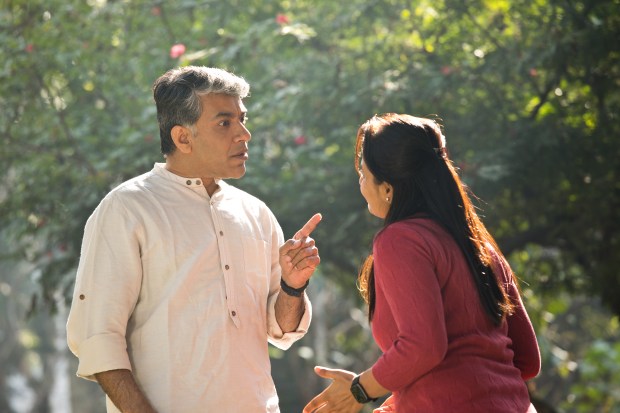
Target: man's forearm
122 389
289 311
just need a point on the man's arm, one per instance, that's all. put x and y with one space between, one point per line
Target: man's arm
124 392
298 259
289 310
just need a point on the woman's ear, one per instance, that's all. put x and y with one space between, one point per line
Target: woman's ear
387 188
388 191
182 138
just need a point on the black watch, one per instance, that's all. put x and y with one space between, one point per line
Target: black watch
359 392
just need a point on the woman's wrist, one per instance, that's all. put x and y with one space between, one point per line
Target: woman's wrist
373 388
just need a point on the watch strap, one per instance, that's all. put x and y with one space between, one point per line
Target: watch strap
359 392
295 292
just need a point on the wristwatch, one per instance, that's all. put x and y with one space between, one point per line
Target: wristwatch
359 392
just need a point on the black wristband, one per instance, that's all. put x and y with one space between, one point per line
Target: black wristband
359 392
295 292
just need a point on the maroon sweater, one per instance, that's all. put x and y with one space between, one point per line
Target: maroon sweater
441 351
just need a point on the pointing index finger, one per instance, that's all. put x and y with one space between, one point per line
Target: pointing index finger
310 226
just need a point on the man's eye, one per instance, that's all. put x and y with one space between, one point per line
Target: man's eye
224 123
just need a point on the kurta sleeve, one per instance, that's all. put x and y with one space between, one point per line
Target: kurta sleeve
106 290
405 274
276 336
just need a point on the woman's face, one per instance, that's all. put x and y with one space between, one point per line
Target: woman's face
378 196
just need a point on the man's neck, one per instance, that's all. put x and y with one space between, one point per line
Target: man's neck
210 184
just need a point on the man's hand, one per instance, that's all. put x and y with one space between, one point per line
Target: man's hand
299 256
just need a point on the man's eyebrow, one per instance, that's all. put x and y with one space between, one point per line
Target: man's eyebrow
229 114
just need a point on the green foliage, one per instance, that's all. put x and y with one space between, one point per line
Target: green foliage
577 338
600 377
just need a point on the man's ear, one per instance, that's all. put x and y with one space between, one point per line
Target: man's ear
182 138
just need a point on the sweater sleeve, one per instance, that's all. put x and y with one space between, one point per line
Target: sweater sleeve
520 330
405 275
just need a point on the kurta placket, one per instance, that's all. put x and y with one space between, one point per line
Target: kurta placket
229 267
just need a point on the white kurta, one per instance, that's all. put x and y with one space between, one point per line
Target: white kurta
180 288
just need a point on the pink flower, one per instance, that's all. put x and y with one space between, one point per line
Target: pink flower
282 19
533 72
446 70
177 50
29 48
300 140
156 11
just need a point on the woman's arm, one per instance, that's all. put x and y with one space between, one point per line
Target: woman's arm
524 344
405 274
520 330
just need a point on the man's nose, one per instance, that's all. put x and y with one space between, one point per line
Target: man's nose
244 134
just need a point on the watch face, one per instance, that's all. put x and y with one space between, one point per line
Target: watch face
359 393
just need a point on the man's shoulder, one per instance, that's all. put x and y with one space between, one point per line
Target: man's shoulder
130 190
252 206
241 195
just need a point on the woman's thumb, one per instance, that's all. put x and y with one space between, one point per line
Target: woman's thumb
324 372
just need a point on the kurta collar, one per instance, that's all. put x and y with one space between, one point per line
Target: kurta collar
189 182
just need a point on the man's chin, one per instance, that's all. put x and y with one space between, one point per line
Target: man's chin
237 174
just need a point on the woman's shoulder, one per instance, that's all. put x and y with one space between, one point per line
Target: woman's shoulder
419 232
415 229
422 226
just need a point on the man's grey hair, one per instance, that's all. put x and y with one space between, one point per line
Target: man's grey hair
177 96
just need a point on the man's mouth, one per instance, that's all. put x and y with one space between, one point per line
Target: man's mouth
241 155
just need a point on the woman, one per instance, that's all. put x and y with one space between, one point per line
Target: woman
443 303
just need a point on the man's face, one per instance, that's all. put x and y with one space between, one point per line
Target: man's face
219 144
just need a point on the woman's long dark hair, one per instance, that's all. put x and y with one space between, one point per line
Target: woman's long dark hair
409 153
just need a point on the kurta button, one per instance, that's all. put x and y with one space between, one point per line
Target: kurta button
227 267
188 182
221 232
234 313
197 182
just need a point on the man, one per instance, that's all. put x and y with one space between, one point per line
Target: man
182 281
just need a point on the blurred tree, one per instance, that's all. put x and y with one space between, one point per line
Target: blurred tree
528 93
